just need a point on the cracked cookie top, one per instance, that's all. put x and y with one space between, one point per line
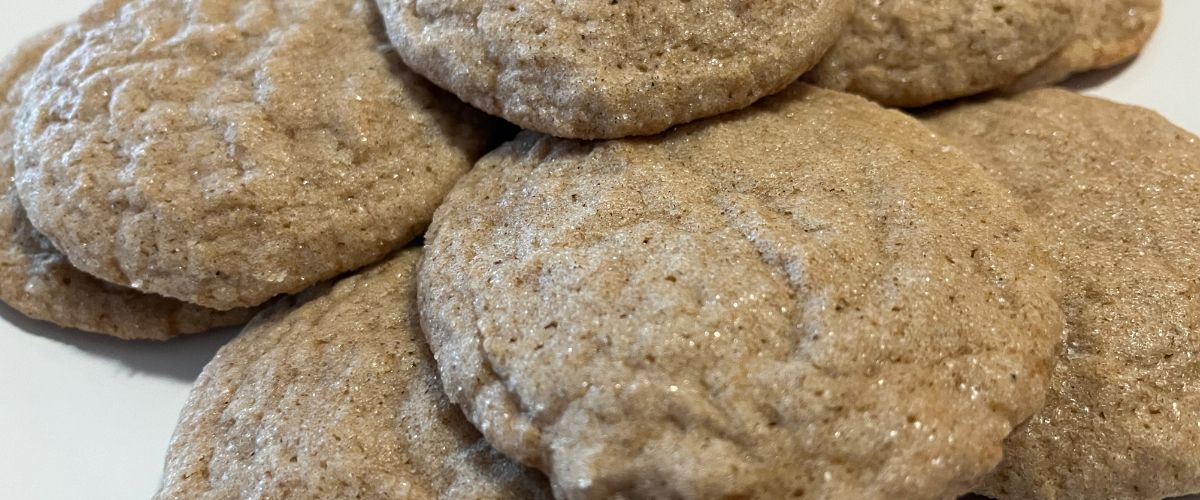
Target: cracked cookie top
37 280
224 151
607 69
810 297
334 395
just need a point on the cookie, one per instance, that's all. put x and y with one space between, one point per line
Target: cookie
222 152
1109 32
912 53
607 69
808 298
37 280
1115 189
335 395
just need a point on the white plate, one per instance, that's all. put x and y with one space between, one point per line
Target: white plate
85 416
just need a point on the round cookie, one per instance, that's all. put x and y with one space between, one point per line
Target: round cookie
37 280
1109 32
1115 189
912 53
335 395
222 152
807 298
607 69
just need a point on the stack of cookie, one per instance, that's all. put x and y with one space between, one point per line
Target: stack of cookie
689 276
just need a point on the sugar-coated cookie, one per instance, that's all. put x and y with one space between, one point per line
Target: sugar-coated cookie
808 298
607 69
911 53
334 394
1116 190
222 152
37 280
1109 32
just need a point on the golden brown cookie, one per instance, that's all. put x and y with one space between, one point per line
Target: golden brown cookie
1115 188
808 298
37 280
607 69
334 394
1109 32
222 152
911 53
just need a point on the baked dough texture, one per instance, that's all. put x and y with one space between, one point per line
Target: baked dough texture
808 298
1109 32
334 394
222 152
609 69
910 53
37 280
1114 188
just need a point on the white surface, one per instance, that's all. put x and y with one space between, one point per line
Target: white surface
85 416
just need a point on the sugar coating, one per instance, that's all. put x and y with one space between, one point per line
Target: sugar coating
608 69
1108 33
225 151
807 298
335 395
1116 190
37 280
915 52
